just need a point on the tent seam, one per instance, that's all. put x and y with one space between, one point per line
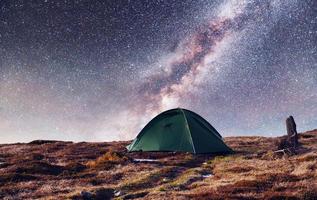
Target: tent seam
188 130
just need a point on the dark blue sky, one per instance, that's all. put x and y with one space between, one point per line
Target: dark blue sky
99 70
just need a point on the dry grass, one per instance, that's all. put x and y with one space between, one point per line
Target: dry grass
63 170
147 180
308 157
108 160
185 179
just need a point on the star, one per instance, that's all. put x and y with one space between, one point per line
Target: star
99 71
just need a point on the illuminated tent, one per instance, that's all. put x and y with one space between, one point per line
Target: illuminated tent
179 130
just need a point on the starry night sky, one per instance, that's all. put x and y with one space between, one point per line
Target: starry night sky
87 70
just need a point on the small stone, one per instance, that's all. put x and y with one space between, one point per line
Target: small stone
117 193
104 193
86 195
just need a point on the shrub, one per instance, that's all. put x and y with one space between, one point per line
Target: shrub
108 160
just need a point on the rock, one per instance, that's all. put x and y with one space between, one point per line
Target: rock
104 194
99 194
86 195
117 193
165 180
291 131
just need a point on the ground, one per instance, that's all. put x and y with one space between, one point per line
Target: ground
67 170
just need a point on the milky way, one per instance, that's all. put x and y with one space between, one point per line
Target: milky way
183 71
77 70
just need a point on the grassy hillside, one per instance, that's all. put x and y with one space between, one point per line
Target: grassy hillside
59 170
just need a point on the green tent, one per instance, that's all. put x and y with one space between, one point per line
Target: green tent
179 130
